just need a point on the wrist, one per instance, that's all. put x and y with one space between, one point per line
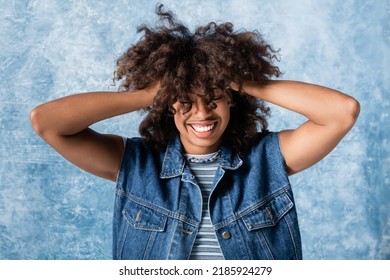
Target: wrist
253 88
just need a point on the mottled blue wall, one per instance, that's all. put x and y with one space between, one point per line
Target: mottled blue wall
51 48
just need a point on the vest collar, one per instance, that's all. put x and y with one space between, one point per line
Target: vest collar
174 161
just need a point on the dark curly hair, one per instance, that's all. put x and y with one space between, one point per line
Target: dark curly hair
211 58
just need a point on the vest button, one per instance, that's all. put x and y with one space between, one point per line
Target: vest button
226 235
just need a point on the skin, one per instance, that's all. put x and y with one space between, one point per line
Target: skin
64 123
330 113
201 129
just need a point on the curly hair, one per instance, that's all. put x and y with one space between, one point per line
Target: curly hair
210 58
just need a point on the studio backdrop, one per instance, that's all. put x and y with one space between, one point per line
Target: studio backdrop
50 209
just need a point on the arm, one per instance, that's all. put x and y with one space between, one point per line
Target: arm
64 124
331 114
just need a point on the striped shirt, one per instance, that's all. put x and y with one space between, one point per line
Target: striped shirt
206 245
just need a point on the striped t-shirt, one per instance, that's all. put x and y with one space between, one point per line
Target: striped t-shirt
206 245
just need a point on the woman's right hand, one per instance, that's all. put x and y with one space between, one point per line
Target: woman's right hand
152 90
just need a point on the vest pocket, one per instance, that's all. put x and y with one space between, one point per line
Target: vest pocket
139 229
144 218
269 213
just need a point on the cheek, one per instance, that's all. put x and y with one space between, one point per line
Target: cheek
179 120
228 112
176 119
225 113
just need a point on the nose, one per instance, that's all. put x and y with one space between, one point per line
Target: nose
200 108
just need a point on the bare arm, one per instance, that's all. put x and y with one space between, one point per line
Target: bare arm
331 114
64 124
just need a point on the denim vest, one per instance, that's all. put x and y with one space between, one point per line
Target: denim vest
158 204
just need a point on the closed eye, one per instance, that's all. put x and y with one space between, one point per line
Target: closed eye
185 103
218 96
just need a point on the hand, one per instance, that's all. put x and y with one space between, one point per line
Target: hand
245 87
153 89
234 86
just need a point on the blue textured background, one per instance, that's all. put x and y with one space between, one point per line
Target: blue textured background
51 48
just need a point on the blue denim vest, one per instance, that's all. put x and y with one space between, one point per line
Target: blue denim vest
158 204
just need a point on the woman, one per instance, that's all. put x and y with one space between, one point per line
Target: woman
206 180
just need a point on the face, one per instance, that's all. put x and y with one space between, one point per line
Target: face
202 127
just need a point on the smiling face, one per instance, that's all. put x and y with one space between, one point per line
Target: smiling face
201 128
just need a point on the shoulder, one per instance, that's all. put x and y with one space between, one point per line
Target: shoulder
266 139
266 145
139 150
138 146
133 141
139 155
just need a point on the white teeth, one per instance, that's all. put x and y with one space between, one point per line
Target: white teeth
200 128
